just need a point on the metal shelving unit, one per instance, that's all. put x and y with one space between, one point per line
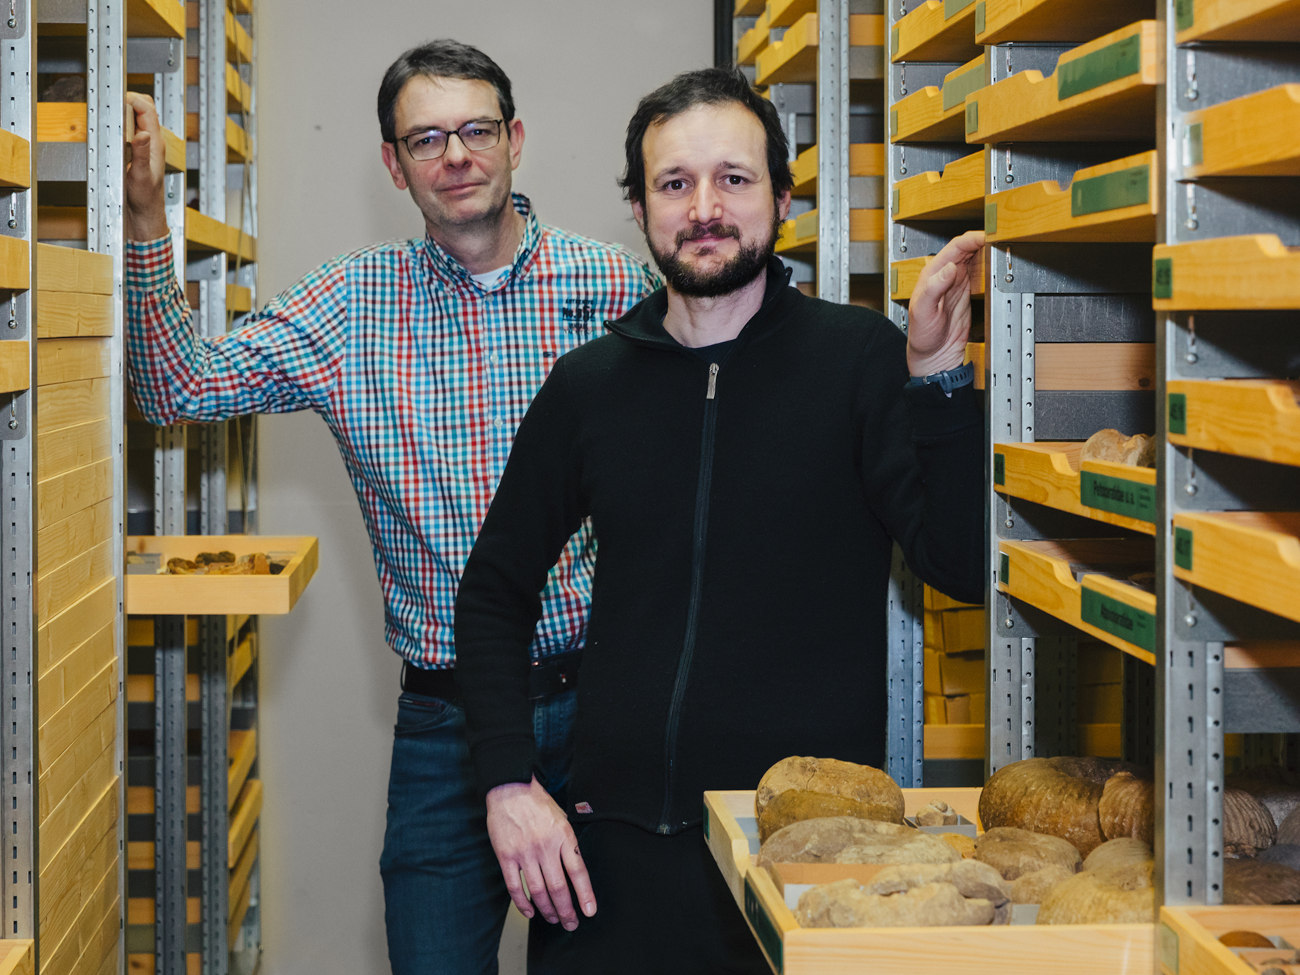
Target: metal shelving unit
1216 55
183 480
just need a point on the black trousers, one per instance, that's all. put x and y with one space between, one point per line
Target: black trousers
662 908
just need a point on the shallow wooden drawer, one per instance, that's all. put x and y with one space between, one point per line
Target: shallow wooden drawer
202 595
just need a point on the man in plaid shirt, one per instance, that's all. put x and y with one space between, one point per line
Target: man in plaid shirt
421 356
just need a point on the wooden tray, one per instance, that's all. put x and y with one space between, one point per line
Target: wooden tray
1049 473
1246 136
155 18
783 13
201 595
1253 271
1238 20
1105 949
957 193
937 114
17 957
800 233
903 276
15 160
935 30
1189 936
1251 556
1112 202
865 159
1111 610
1102 91
753 41
1061 21
793 59
1257 418
204 233
748 8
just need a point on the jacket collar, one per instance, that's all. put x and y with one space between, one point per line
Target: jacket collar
450 271
645 321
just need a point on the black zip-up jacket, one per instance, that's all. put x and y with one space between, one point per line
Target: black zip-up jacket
743 514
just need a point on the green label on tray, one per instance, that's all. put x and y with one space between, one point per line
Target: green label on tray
1162 278
990 218
951 7
893 42
769 937
893 280
1183 548
1178 413
1168 949
972 117
895 208
958 86
1112 62
1113 191
1119 619
979 18
1118 496
1193 153
893 121
706 821
1184 14
1004 568
1000 469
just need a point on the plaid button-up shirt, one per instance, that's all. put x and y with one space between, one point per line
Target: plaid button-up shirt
421 374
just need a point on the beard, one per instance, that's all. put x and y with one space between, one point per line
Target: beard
748 263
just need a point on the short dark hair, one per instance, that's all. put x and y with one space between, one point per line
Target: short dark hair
707 86
443 58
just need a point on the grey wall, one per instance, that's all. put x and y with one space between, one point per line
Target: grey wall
329 685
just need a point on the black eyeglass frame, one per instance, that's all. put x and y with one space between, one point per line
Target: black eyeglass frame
498 122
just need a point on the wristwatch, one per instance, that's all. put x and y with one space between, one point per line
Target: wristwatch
948 380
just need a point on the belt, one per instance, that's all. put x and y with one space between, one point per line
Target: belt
545 677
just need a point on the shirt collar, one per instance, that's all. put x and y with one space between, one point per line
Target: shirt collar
447 267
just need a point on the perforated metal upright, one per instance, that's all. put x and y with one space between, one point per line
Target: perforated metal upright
1198 699
18 757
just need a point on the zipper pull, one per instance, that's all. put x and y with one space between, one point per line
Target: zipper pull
713 380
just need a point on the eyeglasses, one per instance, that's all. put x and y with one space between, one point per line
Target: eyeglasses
432 143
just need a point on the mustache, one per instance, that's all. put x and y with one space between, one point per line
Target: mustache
701 230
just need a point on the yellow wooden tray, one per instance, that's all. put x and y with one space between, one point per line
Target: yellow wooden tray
204 233
1064 578
1251 556
800 233
1112 202
935 30
748 8
155 18
61 121
1108 949
793 59
202 595
1257 418
865 159
1189 936
239 93
1254 271
903 276
1049 473
1064 21
753 41
937 113
783 13
15 160
17 957
957 193
1238 20
239 45
1248 136
240 891
243 819
1104 90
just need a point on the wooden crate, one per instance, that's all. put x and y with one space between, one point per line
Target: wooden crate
199 595
1189 936
1084 949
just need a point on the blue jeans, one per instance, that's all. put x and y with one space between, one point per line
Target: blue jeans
444 900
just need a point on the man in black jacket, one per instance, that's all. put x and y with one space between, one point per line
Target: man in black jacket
747 456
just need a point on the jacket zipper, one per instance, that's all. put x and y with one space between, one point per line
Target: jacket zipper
699 529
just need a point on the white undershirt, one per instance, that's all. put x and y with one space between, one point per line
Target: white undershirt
488 279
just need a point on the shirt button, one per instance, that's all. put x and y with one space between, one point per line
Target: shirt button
497 422
494 358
